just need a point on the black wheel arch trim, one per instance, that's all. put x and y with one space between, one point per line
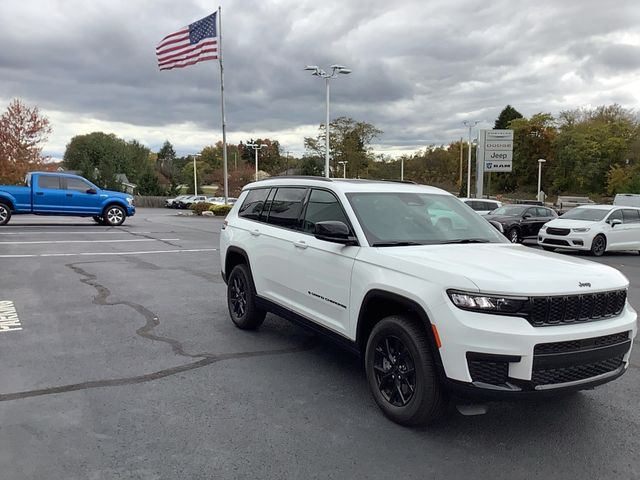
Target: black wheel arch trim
236 250
7 201
411 307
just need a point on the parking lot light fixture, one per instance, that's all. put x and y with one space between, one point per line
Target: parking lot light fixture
344 167
318 72
256 147
469 125
540 162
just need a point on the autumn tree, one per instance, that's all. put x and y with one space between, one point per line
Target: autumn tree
23 131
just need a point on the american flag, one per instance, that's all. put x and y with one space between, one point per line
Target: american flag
189 45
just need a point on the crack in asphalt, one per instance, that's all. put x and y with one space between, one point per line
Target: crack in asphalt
146 331
216 278
149 237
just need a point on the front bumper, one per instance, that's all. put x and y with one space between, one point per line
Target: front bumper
492 356
572 241
131 210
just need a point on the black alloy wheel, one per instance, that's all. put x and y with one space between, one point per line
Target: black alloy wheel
394 371
599 245
5 214
401 372
241 299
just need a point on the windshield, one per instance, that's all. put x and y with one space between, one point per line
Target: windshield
390 219
591 214
510 210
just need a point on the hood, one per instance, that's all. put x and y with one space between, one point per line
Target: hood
568 223
113 193
501 268
502 218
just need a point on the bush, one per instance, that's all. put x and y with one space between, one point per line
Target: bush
198 208
220 210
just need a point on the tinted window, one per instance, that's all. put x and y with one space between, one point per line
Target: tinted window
286 207
489 206
322 207
617 215
586 213
252 206
509 210
630 216
267 205
545 212
531 212
77 184
49 182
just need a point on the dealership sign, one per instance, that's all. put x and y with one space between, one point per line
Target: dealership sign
496 150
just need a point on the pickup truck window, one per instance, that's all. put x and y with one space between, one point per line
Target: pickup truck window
77 184
46 181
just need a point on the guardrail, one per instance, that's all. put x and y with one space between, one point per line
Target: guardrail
144 201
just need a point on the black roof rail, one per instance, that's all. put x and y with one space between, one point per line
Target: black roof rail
400 181
298 177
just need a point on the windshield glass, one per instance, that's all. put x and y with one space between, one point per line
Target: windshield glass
390 219
510 210
591 214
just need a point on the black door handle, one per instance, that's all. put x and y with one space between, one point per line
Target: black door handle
69 194
39 193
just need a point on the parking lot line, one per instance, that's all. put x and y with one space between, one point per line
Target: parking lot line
79 232
85 254
46 242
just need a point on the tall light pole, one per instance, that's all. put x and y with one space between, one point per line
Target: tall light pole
335 71
256 147
402 169
344 168
540 162
195 175
470 125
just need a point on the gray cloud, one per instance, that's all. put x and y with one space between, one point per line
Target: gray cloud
419 68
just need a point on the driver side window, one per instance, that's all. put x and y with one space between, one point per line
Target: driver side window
617 215
322 207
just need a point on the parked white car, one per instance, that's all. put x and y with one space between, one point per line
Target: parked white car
436 308
627 200
482 206
594 228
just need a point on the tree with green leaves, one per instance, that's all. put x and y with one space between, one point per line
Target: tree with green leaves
507 114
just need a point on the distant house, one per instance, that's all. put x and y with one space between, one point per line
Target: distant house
125 184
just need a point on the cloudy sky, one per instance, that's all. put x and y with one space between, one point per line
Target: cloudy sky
419 67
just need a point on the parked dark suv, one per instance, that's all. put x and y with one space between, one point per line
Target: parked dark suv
518 222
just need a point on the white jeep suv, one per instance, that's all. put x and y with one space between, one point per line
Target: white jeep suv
439 302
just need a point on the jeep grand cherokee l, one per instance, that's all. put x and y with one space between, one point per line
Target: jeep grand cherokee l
437 300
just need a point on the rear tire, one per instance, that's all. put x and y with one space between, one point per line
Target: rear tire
401 372
5 214
548 249
599 245
114 216
514 235
241 299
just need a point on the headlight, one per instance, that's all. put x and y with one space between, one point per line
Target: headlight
478 302
543 228
130 200
580 230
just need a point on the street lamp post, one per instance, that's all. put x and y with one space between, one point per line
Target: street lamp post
195 175
470 125
335 71
256 147
540 162
344 167
402 169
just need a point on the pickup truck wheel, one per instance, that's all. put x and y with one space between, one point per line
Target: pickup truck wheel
5 214
99 220
114 216
241 299
401 372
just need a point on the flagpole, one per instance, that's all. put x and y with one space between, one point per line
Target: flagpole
224 124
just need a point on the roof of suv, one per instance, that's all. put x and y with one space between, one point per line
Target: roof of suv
347 185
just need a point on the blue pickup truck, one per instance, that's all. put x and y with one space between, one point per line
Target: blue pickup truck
47 193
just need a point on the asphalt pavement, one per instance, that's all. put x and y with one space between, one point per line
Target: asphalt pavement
119 361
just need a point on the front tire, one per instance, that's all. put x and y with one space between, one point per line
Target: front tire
514 235
598 245
401 372
5 214
114 215
548 249
241 299
98 219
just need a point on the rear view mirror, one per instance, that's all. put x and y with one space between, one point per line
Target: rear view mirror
334 231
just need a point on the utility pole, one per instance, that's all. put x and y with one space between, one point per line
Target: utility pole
470 125
461 160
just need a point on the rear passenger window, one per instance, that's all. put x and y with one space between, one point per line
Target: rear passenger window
322 207
286 207
252 206
45 181
630 216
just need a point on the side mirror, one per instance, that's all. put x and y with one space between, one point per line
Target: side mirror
92 191
615 221
526 215
333 231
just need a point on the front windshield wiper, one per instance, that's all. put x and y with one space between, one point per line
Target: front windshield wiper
468 240
395 244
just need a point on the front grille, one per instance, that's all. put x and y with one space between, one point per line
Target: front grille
551 376
581 345
558 231
493 373
547 311
555 241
